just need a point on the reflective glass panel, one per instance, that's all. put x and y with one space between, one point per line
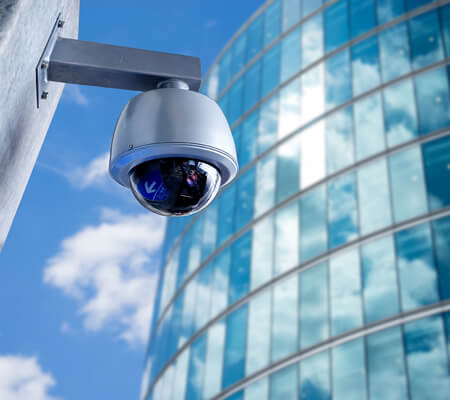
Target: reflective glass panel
340 148
313 93
342 211
441 233
235 343
284 318
286 238
252 85
184 257
389 9
291 13
272 22
245 197
315 377
249 133
312 39
195 252
290 54
204 280
235 105
366 71
283 384
255 37
240 268
271 70
225 70
349 371
407 184
313 223
394 52
400 116
210 230
445 19
312 155
262 252
338 79
362 16
411 4
310 5
314 305
258 390
436 156
417 270
239 54
432 100
187 326
426 359
288 168
289 108
196 369
265 184
258 347
268 124
374 197
181 372
387 377
223 104
220 282
379 279
426 41
214 360
336 25
212 87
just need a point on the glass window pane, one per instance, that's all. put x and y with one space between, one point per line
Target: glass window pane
252 85
225 70
240 268
312 155
272 22
342 211
258 390
389 9
271 70
220 283
417 270
312 39
338 79
394 52
374 197
426 359
196 369
345 292
387 377
362 16
181 372
315 377
236 396
268 124
283 384
235 343
366 71
441 232
291 13
290 54
235 105
286 238
262 252
258 347
411 4
284 318
407 184
313 94
426 41
289 108
379 276
226 213
310 5
340 148
400 116
314 305
288 168
445 19
184 257
255 37
437 170
187 326
239 54
214 360
203 300
245 197
313 223
265 184
195 252
336 25
433 101
349 371
210 230
223 104
249 133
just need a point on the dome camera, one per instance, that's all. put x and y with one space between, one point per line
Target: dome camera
174 149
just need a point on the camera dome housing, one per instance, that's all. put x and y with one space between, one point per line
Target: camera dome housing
164 135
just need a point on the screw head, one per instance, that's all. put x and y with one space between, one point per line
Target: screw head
130 147
44 95
60 24
44 65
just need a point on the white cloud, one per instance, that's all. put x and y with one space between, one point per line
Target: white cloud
210 24
95 173
22 378
73 94
111 270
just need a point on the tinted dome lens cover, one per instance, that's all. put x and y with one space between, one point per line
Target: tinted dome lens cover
175 186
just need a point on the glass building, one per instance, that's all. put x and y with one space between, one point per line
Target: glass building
323 272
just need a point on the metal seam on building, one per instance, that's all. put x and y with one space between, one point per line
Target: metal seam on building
300 268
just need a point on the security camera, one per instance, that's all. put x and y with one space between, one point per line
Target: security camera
174 149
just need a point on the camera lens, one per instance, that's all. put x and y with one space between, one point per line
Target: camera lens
175 186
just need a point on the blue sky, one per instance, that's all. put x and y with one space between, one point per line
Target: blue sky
79 268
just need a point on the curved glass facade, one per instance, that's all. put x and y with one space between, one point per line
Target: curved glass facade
323 271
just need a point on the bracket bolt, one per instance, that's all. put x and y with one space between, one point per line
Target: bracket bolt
130 147
60 24
44 65
44 95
